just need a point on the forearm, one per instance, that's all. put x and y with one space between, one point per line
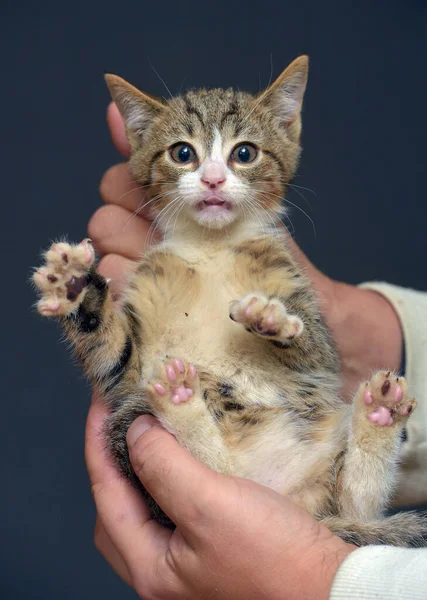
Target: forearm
367 331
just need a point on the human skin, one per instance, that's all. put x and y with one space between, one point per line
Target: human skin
234 538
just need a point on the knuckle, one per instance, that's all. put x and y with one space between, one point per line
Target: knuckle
107 265
95 226
103 221
107 182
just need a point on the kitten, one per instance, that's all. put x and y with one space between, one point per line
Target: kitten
219 334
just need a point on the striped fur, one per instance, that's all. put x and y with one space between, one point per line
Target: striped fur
266 402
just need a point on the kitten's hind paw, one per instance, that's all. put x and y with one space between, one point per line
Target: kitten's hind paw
384 399
266 317
62 281
173 380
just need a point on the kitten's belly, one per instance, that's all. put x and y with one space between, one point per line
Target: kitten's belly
272 452
194 325
197 327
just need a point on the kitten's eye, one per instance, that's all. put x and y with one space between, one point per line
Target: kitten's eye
245 153
183 153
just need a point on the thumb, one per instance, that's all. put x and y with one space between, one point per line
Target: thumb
182 486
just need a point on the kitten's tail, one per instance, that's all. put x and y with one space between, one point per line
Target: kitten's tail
406 529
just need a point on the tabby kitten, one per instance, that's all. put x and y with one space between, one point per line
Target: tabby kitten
219 334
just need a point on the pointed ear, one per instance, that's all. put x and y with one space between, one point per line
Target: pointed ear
137 109
284 97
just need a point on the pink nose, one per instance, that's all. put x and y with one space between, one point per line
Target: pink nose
213 175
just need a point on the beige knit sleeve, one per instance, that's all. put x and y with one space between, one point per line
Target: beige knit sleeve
382 573
411 308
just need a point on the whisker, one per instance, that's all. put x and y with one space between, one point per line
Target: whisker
301 195
141 187
292 186
281 182
162 80
252 202
172 210
140 208
271 70
296 206
160 217
179 209
301 187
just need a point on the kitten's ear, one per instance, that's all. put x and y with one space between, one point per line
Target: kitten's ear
284 97
137 109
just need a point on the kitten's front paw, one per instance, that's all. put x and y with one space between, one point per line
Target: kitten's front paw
384 399
174 380
62 281
267 318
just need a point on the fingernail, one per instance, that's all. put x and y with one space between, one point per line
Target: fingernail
138 427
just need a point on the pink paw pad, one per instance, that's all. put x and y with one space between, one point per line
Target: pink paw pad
179 380
385 396
181 394
381 416
63 278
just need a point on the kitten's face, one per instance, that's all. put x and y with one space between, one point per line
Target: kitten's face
215 156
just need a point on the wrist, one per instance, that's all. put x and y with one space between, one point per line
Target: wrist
322 567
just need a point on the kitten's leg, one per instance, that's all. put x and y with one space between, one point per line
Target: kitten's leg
267 318
175 398
173 395
72 291
368 478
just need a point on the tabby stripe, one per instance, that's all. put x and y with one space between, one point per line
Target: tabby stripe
98 282
230 113
277 160
189 127
134 322
155 157
117 372
193 111
239 127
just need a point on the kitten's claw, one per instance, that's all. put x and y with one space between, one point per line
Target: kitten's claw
385 401
173 380
266 317
63 280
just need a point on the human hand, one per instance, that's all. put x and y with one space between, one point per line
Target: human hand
234 538
364 324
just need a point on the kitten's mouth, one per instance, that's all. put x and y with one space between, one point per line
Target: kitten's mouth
213 204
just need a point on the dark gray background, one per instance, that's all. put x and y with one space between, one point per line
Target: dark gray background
365 156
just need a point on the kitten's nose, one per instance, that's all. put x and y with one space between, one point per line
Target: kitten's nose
213 175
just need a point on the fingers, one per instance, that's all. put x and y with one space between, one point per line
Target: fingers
115 230
108 550
117 129
121 508
118 187
171 475
119 270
